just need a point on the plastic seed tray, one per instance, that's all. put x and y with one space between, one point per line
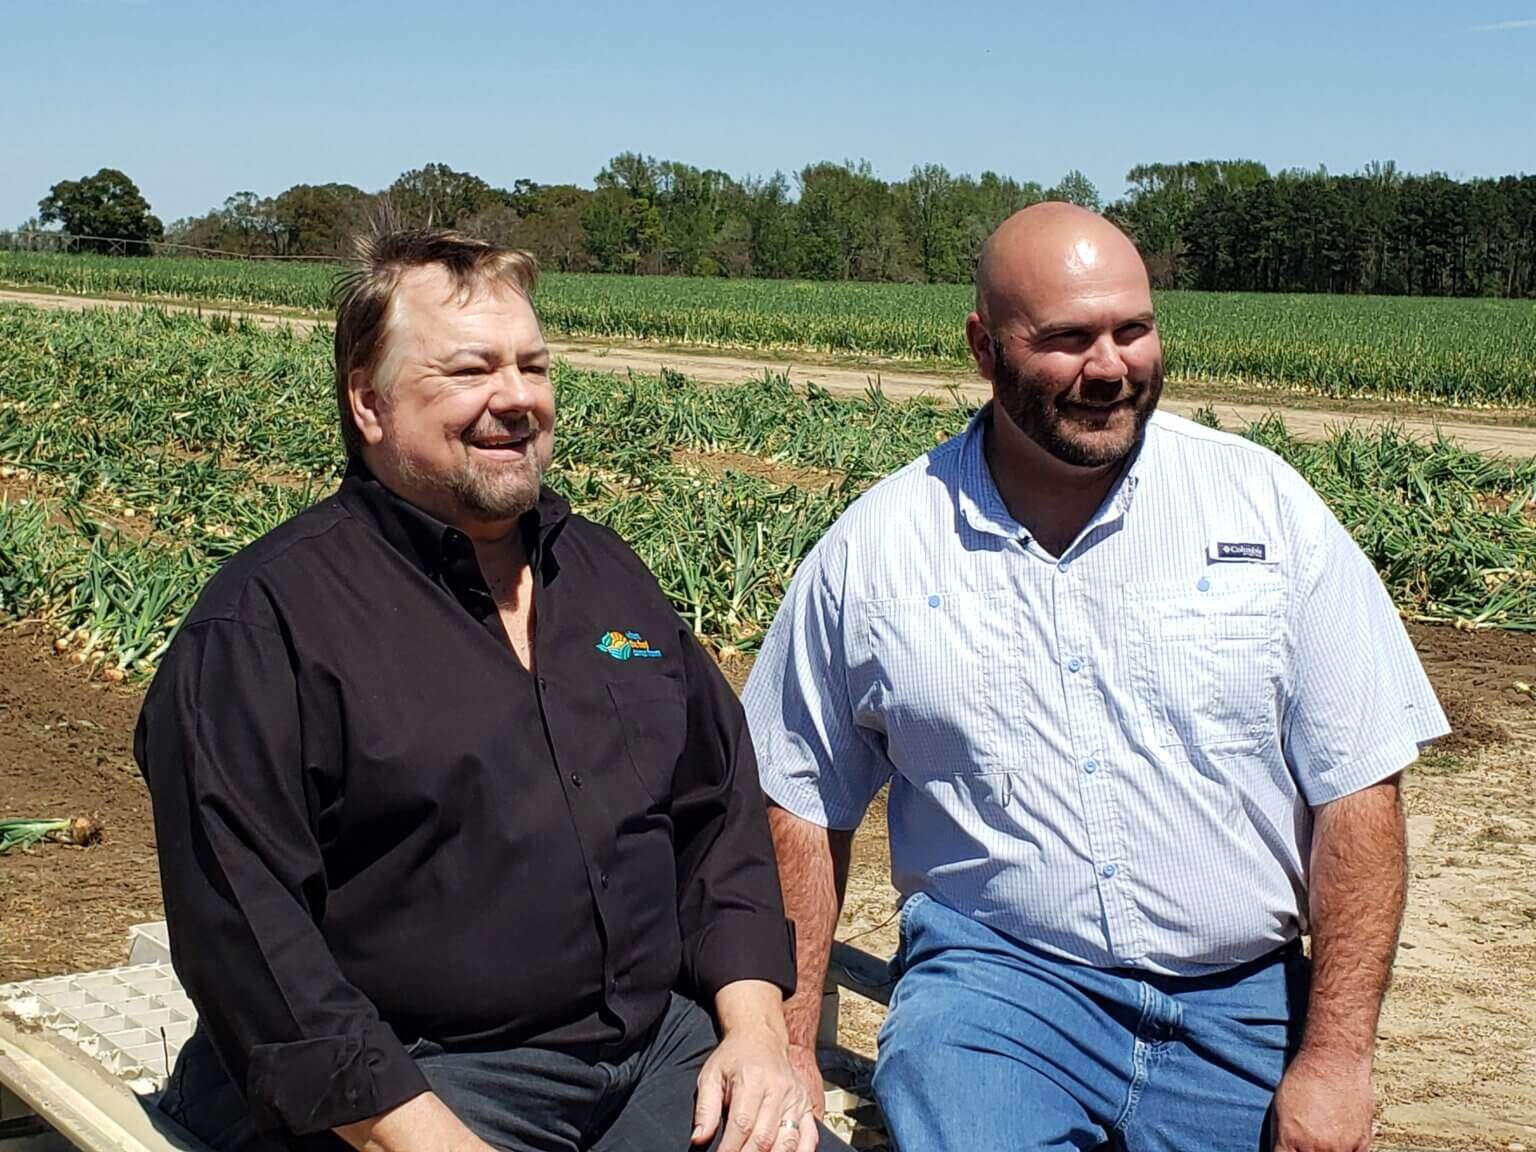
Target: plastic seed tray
132 1020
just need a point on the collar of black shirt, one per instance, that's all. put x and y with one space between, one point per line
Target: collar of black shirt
438 549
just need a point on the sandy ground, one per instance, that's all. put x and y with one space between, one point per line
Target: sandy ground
1457 1054
1474 430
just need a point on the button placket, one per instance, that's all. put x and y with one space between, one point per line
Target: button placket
1088 727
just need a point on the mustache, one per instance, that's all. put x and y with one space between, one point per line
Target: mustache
527 424
1101 397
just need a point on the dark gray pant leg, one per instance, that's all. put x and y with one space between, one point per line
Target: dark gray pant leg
663 1079
525 1100
522 1100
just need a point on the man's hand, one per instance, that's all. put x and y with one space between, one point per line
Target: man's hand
751 1075
1324 1107
422 1124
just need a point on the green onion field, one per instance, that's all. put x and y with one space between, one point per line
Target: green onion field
1469 353
138 449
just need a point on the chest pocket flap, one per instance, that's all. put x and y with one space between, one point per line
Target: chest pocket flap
653 716
1208 657
936 660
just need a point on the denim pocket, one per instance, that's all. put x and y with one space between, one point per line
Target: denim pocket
909 907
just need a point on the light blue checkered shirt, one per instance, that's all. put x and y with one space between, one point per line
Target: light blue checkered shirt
1111 755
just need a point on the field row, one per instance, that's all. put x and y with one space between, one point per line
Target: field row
1469 353
139 449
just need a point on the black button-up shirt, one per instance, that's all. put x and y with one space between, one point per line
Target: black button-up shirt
375 824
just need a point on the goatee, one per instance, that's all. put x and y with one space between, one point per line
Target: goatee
1036 411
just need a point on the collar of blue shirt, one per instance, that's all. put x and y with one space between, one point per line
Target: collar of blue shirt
981 505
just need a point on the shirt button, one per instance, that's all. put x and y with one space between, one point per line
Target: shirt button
1063 565
603 879
613 984
1074 665
1108 871
1090 766
1204 585
543 686
576 779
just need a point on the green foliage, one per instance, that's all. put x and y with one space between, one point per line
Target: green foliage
1076 188
438 196
1214 225
1161 200
1471 353
308 219
142 449
23 834
107 204
1378 231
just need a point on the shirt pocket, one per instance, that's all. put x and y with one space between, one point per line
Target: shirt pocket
654 719
936 661
1207 662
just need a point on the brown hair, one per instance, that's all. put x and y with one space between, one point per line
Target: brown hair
362 296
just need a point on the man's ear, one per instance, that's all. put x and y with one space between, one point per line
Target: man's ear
979 338
367 405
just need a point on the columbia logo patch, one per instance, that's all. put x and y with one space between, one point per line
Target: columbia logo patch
1238 550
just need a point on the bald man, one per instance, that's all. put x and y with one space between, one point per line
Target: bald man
1142 705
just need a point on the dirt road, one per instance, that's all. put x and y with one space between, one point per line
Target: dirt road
1305 422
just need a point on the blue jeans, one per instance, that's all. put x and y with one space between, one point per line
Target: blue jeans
994 1045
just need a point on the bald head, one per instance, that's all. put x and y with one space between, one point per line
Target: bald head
1064 330
1050 254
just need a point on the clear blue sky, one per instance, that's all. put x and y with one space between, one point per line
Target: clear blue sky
199 100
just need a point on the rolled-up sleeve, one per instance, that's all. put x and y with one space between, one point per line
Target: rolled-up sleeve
814 759
730 909
219 744
1359 707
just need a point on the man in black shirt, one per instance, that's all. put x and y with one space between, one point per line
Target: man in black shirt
458 824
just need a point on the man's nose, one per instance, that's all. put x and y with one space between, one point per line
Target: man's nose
514 392
1104 360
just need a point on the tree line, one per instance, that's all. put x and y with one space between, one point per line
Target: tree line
659 217
1216 224
1231 225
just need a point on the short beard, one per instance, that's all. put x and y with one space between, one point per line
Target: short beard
1031 405
505 495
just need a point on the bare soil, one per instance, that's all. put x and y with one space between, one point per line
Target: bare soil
66 749
1506 432
1457 1054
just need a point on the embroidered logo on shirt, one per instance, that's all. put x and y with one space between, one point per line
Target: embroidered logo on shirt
1239 551
627 646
